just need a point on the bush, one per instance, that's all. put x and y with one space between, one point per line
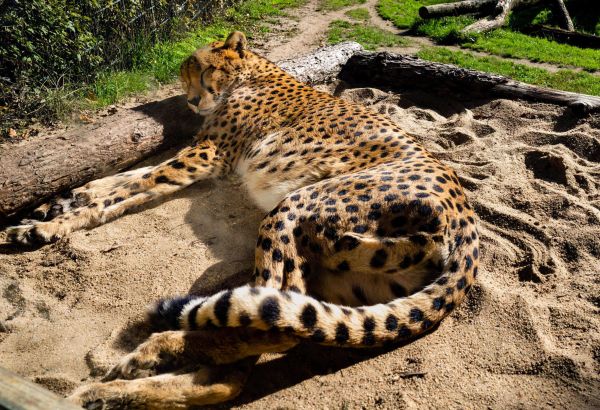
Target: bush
48 45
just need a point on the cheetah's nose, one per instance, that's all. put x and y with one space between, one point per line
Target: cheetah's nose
194 101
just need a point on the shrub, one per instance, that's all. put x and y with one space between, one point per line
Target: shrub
46 45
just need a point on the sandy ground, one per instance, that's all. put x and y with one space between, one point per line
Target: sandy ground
527 337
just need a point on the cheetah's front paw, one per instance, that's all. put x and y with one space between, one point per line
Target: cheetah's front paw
36 233
97 396
134 366
160 353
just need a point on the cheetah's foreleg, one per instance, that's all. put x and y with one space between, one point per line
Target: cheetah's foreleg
102 200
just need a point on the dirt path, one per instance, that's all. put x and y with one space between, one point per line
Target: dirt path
306 29
528 336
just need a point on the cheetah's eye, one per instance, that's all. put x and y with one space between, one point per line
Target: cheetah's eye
210 89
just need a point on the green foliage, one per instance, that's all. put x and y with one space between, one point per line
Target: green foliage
43 45
445 30
160 63
368 36
360 14
53 53
339 4
567 80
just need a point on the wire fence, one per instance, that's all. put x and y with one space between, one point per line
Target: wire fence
137 23
48 44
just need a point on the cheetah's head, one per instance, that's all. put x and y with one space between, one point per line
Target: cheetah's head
209 73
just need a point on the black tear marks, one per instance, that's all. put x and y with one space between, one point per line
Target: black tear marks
308 317
270 311
222 306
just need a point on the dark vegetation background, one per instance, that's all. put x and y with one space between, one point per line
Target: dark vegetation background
46 45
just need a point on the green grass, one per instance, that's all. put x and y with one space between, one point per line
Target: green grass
503 42
160 64
403 13
359 14
580 82
339 4
510 44
368 36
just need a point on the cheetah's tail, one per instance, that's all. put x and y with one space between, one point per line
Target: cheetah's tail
325 323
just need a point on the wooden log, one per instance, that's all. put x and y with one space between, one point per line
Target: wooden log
17 393
456 9
499 17
35 169
323 65
573 38
567 23
385 69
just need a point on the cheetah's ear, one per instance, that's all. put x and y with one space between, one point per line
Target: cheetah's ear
237 41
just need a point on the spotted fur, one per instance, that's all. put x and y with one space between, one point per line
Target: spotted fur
369 239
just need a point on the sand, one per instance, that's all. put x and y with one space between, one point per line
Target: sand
527 337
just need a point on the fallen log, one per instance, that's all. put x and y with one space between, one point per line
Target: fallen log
456 9
500 15
385 69
567 23
17 393
573 38
36 169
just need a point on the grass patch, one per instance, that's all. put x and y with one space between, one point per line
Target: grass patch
510 44
580 82
404 13
339 4
370 37
503 42
360 14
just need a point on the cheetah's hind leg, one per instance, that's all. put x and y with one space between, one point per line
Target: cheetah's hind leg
180 390
208 372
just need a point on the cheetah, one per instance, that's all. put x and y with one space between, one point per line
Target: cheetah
368 241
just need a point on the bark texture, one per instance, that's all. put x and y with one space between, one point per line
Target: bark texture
393 70
499 17
19 393
573 38
567 23
458 8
